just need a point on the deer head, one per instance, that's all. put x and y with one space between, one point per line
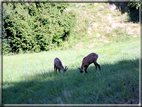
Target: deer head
81 71
65 69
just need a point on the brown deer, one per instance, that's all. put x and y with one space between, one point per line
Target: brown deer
91 58
58 65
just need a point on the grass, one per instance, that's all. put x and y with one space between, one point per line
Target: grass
30 78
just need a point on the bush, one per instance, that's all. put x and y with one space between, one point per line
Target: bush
35 26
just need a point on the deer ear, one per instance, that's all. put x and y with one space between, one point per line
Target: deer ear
66 67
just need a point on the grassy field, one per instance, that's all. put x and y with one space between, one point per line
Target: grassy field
30 78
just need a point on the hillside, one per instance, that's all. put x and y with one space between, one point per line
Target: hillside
100 24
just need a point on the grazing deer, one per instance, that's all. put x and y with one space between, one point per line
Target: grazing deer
91 58
58 65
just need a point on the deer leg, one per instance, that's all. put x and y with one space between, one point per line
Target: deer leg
95 65
98 66
86 69
59 70
55 69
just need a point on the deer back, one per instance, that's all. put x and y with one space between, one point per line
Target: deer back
91 58
58 63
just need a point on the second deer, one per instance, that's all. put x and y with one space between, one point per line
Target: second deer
91 58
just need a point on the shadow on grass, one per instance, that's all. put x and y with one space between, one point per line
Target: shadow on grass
115 84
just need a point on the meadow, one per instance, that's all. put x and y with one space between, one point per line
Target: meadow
30 78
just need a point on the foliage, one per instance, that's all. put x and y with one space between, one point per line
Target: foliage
34 27
135 4
133 11
62 26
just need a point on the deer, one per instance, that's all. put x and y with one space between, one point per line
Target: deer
89 59
58 65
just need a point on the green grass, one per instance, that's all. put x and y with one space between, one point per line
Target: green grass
30 78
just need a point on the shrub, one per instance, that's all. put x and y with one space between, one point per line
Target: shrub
35 26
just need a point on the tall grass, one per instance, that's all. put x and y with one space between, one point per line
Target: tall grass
30 78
